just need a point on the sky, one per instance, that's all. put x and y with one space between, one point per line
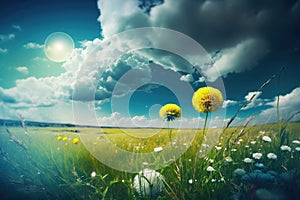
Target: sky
131 57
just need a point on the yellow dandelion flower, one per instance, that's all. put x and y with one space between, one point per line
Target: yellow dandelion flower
65 138
59 137
207 99
75 141
170 112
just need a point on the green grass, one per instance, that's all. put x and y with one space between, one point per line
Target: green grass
54 169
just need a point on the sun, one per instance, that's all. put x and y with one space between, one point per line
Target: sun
58 46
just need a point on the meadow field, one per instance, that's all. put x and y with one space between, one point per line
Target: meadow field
252 162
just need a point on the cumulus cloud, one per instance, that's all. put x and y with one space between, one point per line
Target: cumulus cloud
255 101
34 92
117 119
187 78
6 98
22 69
241 41
33 45
118 15
4 37
227 103
288 105
6 112
17 27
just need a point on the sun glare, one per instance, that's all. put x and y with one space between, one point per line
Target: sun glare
58 46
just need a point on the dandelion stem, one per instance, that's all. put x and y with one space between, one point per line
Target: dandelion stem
206 115
197 154
170 132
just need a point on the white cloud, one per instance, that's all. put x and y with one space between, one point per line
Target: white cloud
3 51
33 45
187 78
22 69
17 27
227 103
6 98
235 56
253 95
7 37
200 80
254 100
117 119
6 112
42 92
119 15
40 59
288 105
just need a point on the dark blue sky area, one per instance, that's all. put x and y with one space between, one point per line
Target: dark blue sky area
38 18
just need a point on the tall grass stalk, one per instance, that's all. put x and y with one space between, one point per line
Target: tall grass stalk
252 98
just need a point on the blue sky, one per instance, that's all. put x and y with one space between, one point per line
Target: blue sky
243 43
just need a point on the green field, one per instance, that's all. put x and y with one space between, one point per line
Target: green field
38 166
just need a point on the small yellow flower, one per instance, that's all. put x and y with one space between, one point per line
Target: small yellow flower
170 112
65 138
59 137
75 141
207 99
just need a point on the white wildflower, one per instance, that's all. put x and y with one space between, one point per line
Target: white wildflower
296 142
272 156
213 180
93 174
285 148
248 160
233 149
228 159
253 142
158 149
211 160
266 139
218 148
262 132
149 183
297 148
257 156
191 181
137 148
210 169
